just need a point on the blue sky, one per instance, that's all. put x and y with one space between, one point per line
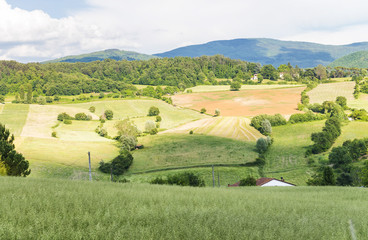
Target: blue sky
56 9
37 30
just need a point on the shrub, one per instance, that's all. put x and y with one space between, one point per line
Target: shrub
306 117
92 109
185 179
262 145
235 86
102 95
340 100
64 116
260 160
203 110
149 126
275 120
158 119
53 134
153 111
56 98
249 181
119 164
103 132
266 127
67 121
109 114
159 180
217 112
153 131
82 117
191 132
128 142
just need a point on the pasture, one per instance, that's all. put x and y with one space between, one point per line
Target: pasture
230 127
60 209
243 103
179 150
330 91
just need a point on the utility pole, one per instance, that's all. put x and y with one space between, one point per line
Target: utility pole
213 176
89 162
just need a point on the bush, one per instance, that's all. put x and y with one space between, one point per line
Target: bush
249 181
92 109
275 120
217 112
191 132
149 126
53 134
82 117
56 98
306 117
203 110
128 142
64 116
109 114
158 119
159 180
102 95
67 121
266 127
340 100
153 111
119 164
185 179
49 99
263 144
235 86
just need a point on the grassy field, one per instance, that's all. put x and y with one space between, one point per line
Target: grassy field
360 103
54 209
14 117
178 150
230 127
171 116
211 88
330 91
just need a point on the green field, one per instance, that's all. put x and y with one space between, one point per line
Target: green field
230 127
14 117
179 150
217 88
55 209
330 91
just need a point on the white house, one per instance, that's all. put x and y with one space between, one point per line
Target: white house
273 182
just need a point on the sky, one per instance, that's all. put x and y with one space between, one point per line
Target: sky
38 30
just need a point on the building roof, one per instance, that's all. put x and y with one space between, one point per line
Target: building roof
260 182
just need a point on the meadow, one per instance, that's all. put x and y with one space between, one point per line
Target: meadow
330 91
230 127
219 88
61 209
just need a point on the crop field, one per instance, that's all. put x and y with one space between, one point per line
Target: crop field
217 88
61 209
330 91
360 103
230 127
14 117
179 150
245 102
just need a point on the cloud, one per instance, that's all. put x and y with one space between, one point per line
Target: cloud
152 26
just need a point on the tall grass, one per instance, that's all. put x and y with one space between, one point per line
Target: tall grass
51 209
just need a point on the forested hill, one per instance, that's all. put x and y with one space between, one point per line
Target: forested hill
109 75
270 51
354 60
114 54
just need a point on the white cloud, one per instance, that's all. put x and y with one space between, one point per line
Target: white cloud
153 26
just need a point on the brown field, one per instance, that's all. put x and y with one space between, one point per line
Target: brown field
245 102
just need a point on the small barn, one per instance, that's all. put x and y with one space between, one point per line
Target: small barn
267 182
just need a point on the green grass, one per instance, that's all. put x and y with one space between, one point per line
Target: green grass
285 157
211 88
14 116
360 103
55 209
352 130
178 150
330 91
171 116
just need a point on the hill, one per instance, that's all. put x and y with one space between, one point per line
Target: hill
61 209
356 60
114 54
270 51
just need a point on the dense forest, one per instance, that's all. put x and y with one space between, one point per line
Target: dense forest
182 72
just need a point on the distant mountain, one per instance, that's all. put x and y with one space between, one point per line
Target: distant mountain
357 60
101 55
270 51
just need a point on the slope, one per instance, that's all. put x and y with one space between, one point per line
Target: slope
356 60
270 51
114 54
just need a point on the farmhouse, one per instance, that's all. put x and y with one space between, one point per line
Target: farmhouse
267 182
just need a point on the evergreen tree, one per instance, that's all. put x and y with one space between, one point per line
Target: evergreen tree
15 163
21 93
